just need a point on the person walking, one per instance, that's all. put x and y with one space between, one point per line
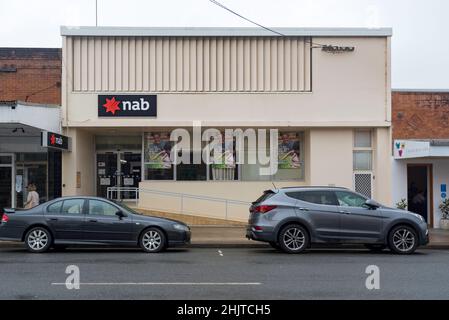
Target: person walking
33 197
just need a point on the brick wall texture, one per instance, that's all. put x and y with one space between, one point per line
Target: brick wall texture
420 115
31 75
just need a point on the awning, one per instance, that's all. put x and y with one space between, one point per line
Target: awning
413 149
34 117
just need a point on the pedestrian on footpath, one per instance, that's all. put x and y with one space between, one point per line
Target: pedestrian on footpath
33 197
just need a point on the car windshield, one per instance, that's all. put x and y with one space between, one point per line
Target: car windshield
123 205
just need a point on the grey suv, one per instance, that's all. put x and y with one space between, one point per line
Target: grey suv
292 219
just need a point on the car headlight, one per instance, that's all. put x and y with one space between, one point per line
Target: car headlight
181 227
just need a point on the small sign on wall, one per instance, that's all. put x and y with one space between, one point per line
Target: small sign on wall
443 189
78 179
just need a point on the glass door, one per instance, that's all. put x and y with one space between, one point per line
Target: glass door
130 173
107 172
118 169
6 181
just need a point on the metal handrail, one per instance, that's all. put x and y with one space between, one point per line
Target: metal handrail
181 196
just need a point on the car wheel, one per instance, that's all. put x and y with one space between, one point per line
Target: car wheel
403 240
38 240
275 245
375 247
293 239
152 240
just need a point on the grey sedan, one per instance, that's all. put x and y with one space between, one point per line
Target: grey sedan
89 221
292 219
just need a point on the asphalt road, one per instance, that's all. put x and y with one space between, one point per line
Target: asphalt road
200 273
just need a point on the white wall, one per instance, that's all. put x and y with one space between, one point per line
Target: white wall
440 176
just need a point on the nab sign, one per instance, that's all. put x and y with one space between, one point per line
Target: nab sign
127 106
55 141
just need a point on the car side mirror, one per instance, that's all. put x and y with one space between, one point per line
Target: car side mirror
120 214
373 205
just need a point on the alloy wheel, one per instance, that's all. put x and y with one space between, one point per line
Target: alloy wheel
294 239
38 240
152 240
403 239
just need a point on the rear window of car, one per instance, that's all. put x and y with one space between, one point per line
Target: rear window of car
55 207
266 195
316 197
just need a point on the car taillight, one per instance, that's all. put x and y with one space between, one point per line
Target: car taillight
5 218
263 209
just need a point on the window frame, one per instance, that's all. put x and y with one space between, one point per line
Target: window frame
61 202
356 149
83 208
353 193
102 215
313 203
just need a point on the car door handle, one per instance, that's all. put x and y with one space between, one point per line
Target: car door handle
93 220
53 219
303 209
345 212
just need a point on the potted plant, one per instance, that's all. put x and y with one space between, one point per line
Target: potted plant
444 208
402 204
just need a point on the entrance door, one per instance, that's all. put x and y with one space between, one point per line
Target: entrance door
130 173
6 181
35 173
106 173
419 189
118 169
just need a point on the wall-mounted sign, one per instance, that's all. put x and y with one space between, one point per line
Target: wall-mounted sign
407 149
127 106
55 141
337 49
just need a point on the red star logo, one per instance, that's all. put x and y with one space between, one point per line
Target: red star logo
111 105
52 139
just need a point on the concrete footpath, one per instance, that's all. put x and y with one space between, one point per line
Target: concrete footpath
234 237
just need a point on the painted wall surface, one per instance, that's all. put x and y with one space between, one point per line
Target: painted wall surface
440 176
81 160
347 91
350 89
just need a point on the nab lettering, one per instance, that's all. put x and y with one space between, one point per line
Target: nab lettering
136 105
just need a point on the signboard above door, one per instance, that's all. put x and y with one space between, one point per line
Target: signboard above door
127 106
55 141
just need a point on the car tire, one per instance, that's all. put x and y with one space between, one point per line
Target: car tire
403 239
38 240
275 245
293 238
152 240
375 247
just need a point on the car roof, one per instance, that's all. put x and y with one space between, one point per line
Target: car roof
303 188
80 197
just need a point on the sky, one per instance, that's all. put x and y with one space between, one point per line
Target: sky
420 46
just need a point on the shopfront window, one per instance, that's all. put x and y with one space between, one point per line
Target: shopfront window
290 160
158 166
157 163
31 168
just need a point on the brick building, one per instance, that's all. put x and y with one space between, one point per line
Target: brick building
421 150
30 99
420 115
31 75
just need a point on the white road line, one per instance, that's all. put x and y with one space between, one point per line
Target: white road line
220 253
162 284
